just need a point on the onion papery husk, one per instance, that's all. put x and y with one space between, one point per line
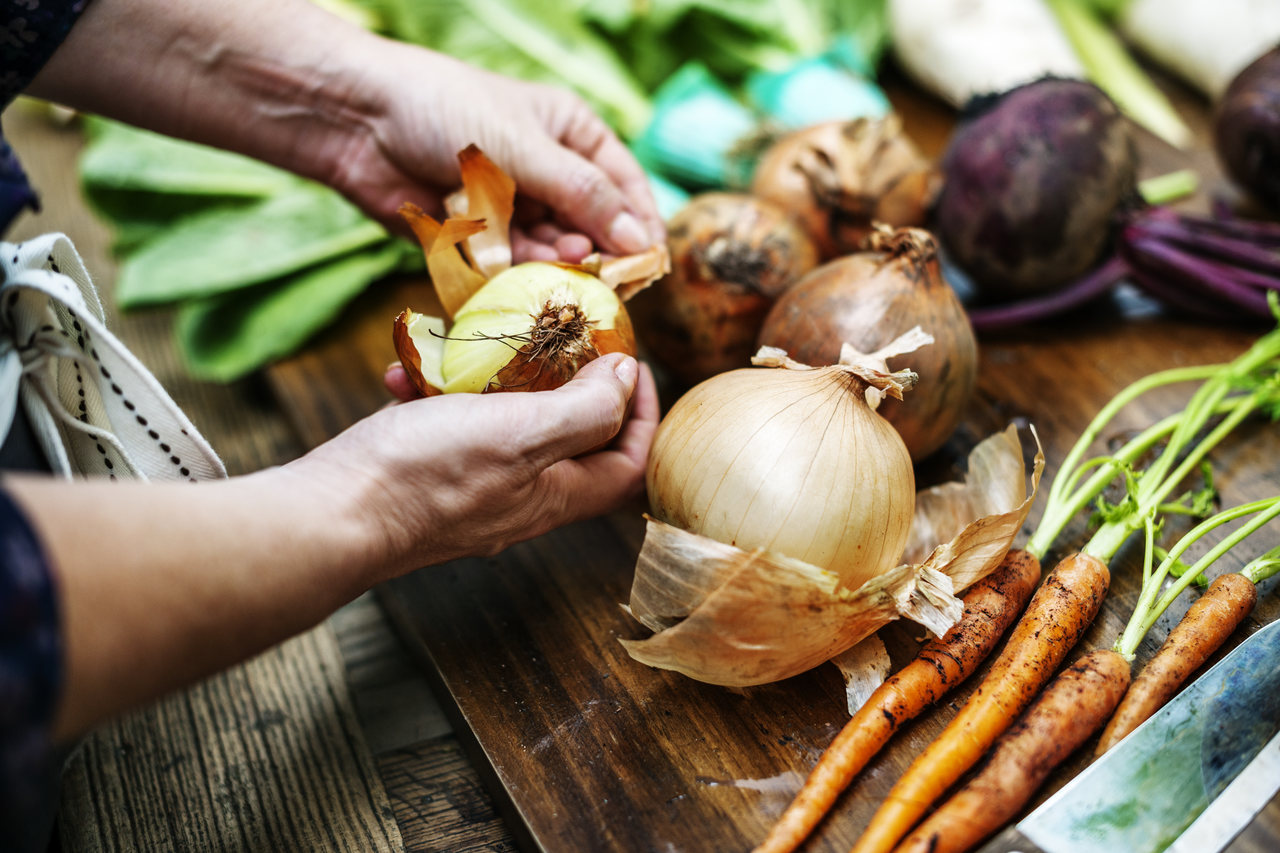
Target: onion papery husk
529 327
841 177
792 459
738 618
866 299
732 255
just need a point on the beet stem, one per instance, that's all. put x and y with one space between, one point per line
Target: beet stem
1189 273
1102 278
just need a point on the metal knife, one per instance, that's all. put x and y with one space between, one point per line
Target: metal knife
1170 776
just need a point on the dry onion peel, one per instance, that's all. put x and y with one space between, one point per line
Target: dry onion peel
528 327
864 668
727 616
771 617
491 197
992 483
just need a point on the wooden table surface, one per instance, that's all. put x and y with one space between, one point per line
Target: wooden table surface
506 676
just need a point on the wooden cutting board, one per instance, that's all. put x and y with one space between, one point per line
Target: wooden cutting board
585 749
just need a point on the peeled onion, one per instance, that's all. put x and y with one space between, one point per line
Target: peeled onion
869 298
841 177
731 256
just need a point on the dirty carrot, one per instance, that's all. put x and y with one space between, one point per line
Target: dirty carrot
1208 623
1067 713
1206 626
1227 395
990 606
1059 613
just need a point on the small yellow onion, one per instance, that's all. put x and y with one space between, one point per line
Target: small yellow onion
794 460
528 327
531 327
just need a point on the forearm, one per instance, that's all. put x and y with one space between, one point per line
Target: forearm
162 584
263 79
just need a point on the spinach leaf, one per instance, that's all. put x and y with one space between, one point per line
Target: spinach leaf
224 249
224 337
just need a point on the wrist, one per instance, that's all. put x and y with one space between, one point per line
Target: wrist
339 505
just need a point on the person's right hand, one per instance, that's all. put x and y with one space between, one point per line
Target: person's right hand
470 474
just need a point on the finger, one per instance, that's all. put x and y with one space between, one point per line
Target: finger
524 248
573 248
398 383
569 247
617 161
546 232
582 194
582 414
636 437
601 482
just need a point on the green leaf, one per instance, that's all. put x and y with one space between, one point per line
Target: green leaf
225 249
120 157
225 337
540 40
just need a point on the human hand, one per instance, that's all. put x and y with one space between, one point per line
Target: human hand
579 188
466 474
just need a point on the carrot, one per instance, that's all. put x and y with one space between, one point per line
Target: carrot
1205 627
1058 615
990 606
1069 711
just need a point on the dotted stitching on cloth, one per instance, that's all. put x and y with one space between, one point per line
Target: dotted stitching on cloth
174 459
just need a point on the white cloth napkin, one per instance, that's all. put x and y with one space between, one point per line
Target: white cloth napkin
95 409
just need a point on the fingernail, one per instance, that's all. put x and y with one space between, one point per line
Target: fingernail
627 234
627 371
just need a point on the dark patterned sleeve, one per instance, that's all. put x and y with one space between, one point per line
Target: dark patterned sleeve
30 681
30 31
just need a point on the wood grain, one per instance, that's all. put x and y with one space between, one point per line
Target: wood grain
439 802
268 756
584 749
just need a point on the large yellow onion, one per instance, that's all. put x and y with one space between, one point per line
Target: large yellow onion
791 459
739 617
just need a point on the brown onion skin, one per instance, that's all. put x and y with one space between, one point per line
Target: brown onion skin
731 257
868 299
877 173
1246 129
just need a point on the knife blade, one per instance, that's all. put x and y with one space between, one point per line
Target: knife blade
1144 792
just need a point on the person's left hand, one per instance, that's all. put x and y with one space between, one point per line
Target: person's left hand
470 474
579 188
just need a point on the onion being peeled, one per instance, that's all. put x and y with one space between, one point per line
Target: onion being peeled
868 299
840 177
731 256
528 327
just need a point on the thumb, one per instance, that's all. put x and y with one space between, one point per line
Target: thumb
585 412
